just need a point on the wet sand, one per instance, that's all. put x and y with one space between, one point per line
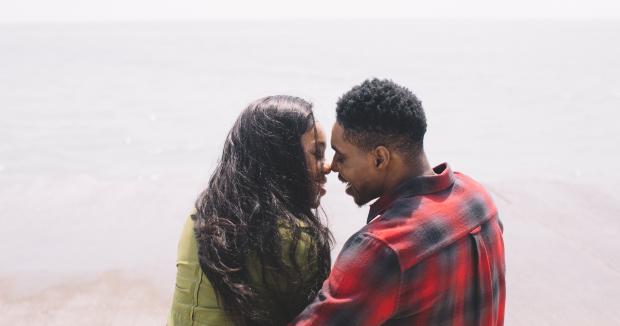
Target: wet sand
109 298
561 246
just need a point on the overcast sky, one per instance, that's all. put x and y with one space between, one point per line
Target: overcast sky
114 10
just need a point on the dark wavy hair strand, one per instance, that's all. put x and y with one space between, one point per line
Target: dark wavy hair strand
261 184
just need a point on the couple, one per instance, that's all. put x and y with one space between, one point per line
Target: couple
256 253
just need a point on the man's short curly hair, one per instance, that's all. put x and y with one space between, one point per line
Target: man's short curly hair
381 112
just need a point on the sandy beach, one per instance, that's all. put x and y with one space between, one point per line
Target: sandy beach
109 132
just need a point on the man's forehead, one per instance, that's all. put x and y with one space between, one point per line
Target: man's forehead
337 130
337 137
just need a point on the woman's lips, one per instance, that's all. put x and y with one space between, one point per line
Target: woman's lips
321 188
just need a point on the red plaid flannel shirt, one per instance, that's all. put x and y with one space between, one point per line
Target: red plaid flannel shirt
432 253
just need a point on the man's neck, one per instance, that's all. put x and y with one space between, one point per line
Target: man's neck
408 169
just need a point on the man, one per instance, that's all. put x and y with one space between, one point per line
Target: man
432 252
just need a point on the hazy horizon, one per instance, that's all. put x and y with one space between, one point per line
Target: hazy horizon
182 10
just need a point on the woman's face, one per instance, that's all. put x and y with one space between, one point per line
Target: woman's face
313 143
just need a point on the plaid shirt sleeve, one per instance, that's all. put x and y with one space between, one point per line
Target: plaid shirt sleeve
362 289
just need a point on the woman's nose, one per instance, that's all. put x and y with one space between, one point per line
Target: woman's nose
326 168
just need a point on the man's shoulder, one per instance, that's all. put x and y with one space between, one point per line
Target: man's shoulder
468 183
419 226
475 200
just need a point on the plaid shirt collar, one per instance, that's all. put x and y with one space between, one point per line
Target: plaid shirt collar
416 186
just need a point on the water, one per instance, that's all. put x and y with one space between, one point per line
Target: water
109 131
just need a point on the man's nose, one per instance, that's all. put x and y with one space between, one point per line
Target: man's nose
334 166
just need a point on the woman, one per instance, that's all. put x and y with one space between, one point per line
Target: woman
254 252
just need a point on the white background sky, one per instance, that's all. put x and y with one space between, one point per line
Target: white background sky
114 10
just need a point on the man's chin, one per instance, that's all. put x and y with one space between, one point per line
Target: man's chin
359 201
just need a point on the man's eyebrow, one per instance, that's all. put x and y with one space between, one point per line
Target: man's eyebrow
336 149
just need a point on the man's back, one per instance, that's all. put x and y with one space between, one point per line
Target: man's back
431 254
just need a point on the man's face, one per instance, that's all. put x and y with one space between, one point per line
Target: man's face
356 167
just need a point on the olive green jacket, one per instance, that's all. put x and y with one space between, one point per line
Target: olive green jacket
194 302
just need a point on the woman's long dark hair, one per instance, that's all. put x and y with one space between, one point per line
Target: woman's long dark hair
261 186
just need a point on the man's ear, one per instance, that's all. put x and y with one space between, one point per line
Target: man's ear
381 156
